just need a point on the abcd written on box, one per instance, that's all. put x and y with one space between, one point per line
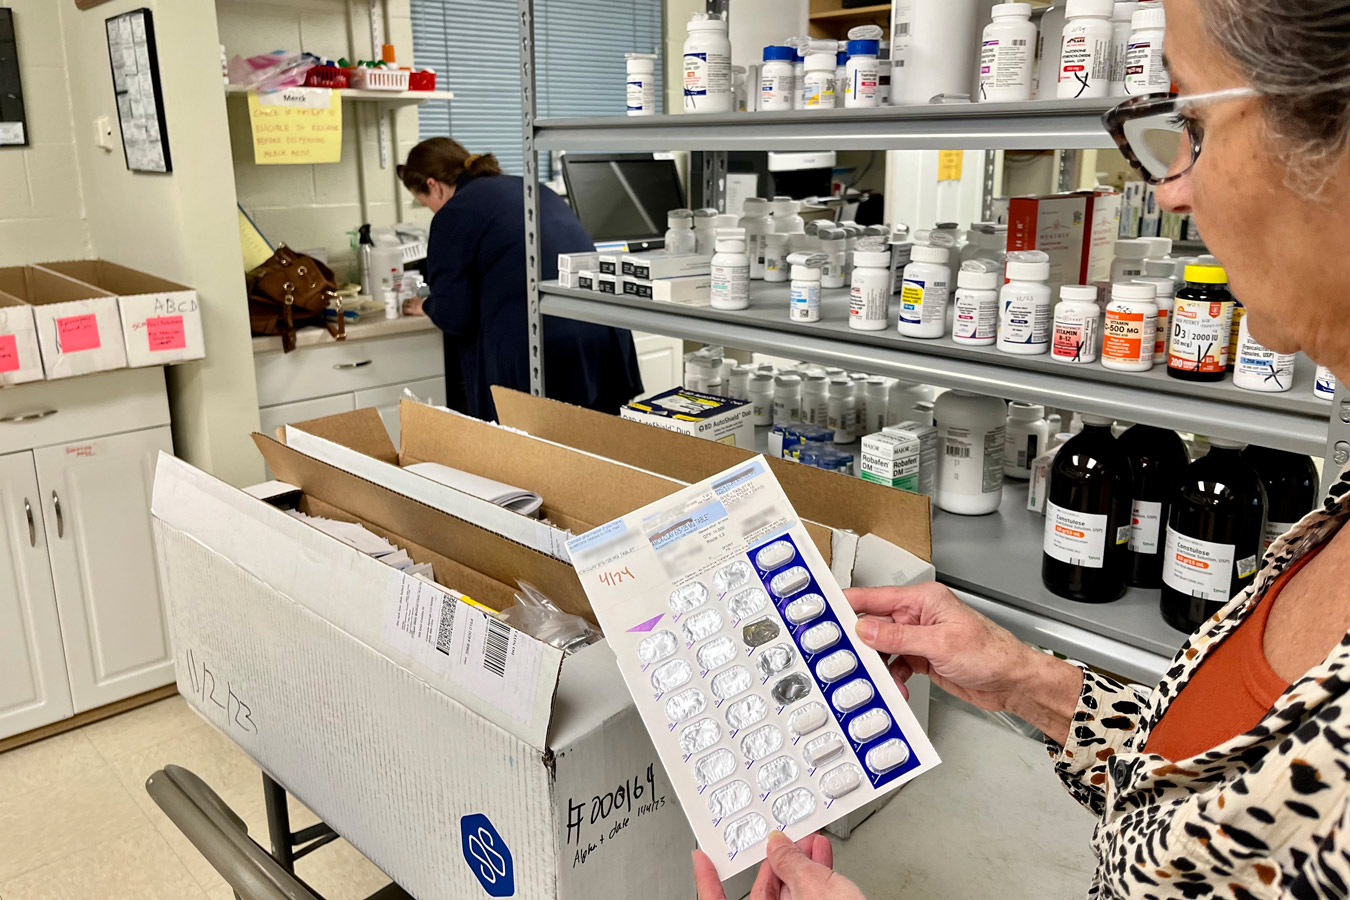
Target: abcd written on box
738 647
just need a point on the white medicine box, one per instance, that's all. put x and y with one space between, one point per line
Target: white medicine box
78 325
20 359
718 419
161 319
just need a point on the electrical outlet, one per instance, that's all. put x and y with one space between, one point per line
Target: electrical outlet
103 132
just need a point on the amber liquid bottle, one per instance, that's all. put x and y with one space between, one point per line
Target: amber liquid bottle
1157 459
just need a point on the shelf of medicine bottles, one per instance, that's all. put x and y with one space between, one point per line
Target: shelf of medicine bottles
397 98
1035 125
1293 421
998 556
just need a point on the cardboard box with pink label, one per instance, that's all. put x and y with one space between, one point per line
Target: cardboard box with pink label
62 319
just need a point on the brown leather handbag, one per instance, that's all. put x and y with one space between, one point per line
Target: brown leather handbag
289 291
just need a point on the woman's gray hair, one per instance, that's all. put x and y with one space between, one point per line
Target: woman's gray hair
1296 54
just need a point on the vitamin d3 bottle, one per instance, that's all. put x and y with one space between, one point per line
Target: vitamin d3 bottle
1201 322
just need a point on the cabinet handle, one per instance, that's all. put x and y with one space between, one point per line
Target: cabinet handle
29 417
60 519
353 365
32 529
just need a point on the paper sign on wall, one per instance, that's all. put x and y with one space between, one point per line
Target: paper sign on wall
75 333
296 126
949 164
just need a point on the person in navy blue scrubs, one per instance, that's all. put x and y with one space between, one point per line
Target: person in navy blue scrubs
476 271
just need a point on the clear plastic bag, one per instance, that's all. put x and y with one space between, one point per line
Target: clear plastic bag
539 617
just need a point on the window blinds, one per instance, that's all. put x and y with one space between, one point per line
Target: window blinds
579 48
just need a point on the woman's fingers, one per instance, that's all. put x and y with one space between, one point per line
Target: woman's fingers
882 601
925 641
705 878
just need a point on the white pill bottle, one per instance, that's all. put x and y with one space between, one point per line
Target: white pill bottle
776 81
975 319
1077 325
1085 53
1024 314
1324 385
641 83
1131 327
1008 55
971 437
707 65
861 75
1258 368
731 271
1144 69
870 290
1120 43
924 294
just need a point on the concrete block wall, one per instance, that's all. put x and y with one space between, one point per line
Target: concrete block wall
316 206
42 214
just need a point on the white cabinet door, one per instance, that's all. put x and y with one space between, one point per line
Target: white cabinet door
33 688
273 417
96 510
661 360
386 400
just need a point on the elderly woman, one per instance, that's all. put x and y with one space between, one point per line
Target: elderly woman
1230 779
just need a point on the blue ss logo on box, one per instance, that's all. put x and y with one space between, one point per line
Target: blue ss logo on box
487 855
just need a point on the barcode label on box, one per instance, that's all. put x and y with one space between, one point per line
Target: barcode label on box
481 655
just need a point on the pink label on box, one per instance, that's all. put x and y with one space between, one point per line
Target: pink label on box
9 353
166 333
75 333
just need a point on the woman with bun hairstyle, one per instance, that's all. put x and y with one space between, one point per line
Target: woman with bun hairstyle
476 271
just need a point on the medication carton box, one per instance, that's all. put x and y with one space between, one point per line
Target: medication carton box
655 266
892 460
702 415
1077 231
607 283
464 758
161 320
586 280
20 359
78 325
692 290
927 436
577 262
569 279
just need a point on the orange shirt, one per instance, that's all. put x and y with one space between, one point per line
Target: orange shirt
1231 691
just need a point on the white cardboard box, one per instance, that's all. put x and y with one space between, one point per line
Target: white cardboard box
79 327
657 265
457 782
20 359
161 319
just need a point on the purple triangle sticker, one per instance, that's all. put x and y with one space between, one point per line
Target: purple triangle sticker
648 625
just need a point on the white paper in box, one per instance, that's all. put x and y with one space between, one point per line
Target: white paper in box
767 711
279 636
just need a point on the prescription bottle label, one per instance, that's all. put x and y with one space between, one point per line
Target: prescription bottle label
1200 335
922 304
1161 333
1129 336
1074 339
1078 539
1199 568
976 317
1145 527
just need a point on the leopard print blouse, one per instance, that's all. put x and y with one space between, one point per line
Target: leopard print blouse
1264 815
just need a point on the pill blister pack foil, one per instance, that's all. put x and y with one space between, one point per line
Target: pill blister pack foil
761 691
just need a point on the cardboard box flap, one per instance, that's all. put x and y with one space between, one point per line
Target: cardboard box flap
112 277
361 430
530 532
364 598
900 517
465 545
578 484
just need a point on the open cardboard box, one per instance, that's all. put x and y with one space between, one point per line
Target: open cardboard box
529 777
78 326
20 358
161 320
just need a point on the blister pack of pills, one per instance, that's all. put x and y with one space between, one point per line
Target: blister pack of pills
739 649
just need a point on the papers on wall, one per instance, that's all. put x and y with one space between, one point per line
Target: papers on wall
296 126
140 102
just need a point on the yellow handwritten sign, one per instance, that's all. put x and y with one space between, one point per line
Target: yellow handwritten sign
296 126
949 165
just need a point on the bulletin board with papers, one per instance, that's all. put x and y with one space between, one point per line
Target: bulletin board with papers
140 100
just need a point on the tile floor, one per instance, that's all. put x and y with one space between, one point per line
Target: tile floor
77 824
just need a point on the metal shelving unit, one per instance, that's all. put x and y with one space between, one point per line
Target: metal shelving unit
991 561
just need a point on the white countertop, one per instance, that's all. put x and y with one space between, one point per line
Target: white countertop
363 330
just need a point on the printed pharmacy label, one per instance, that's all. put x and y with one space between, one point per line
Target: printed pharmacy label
738 647
1145 527
1075 538
1273 531
1202 569
1074 338
1129 336
922 303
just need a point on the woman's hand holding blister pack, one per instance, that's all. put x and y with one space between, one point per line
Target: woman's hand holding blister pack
800 871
